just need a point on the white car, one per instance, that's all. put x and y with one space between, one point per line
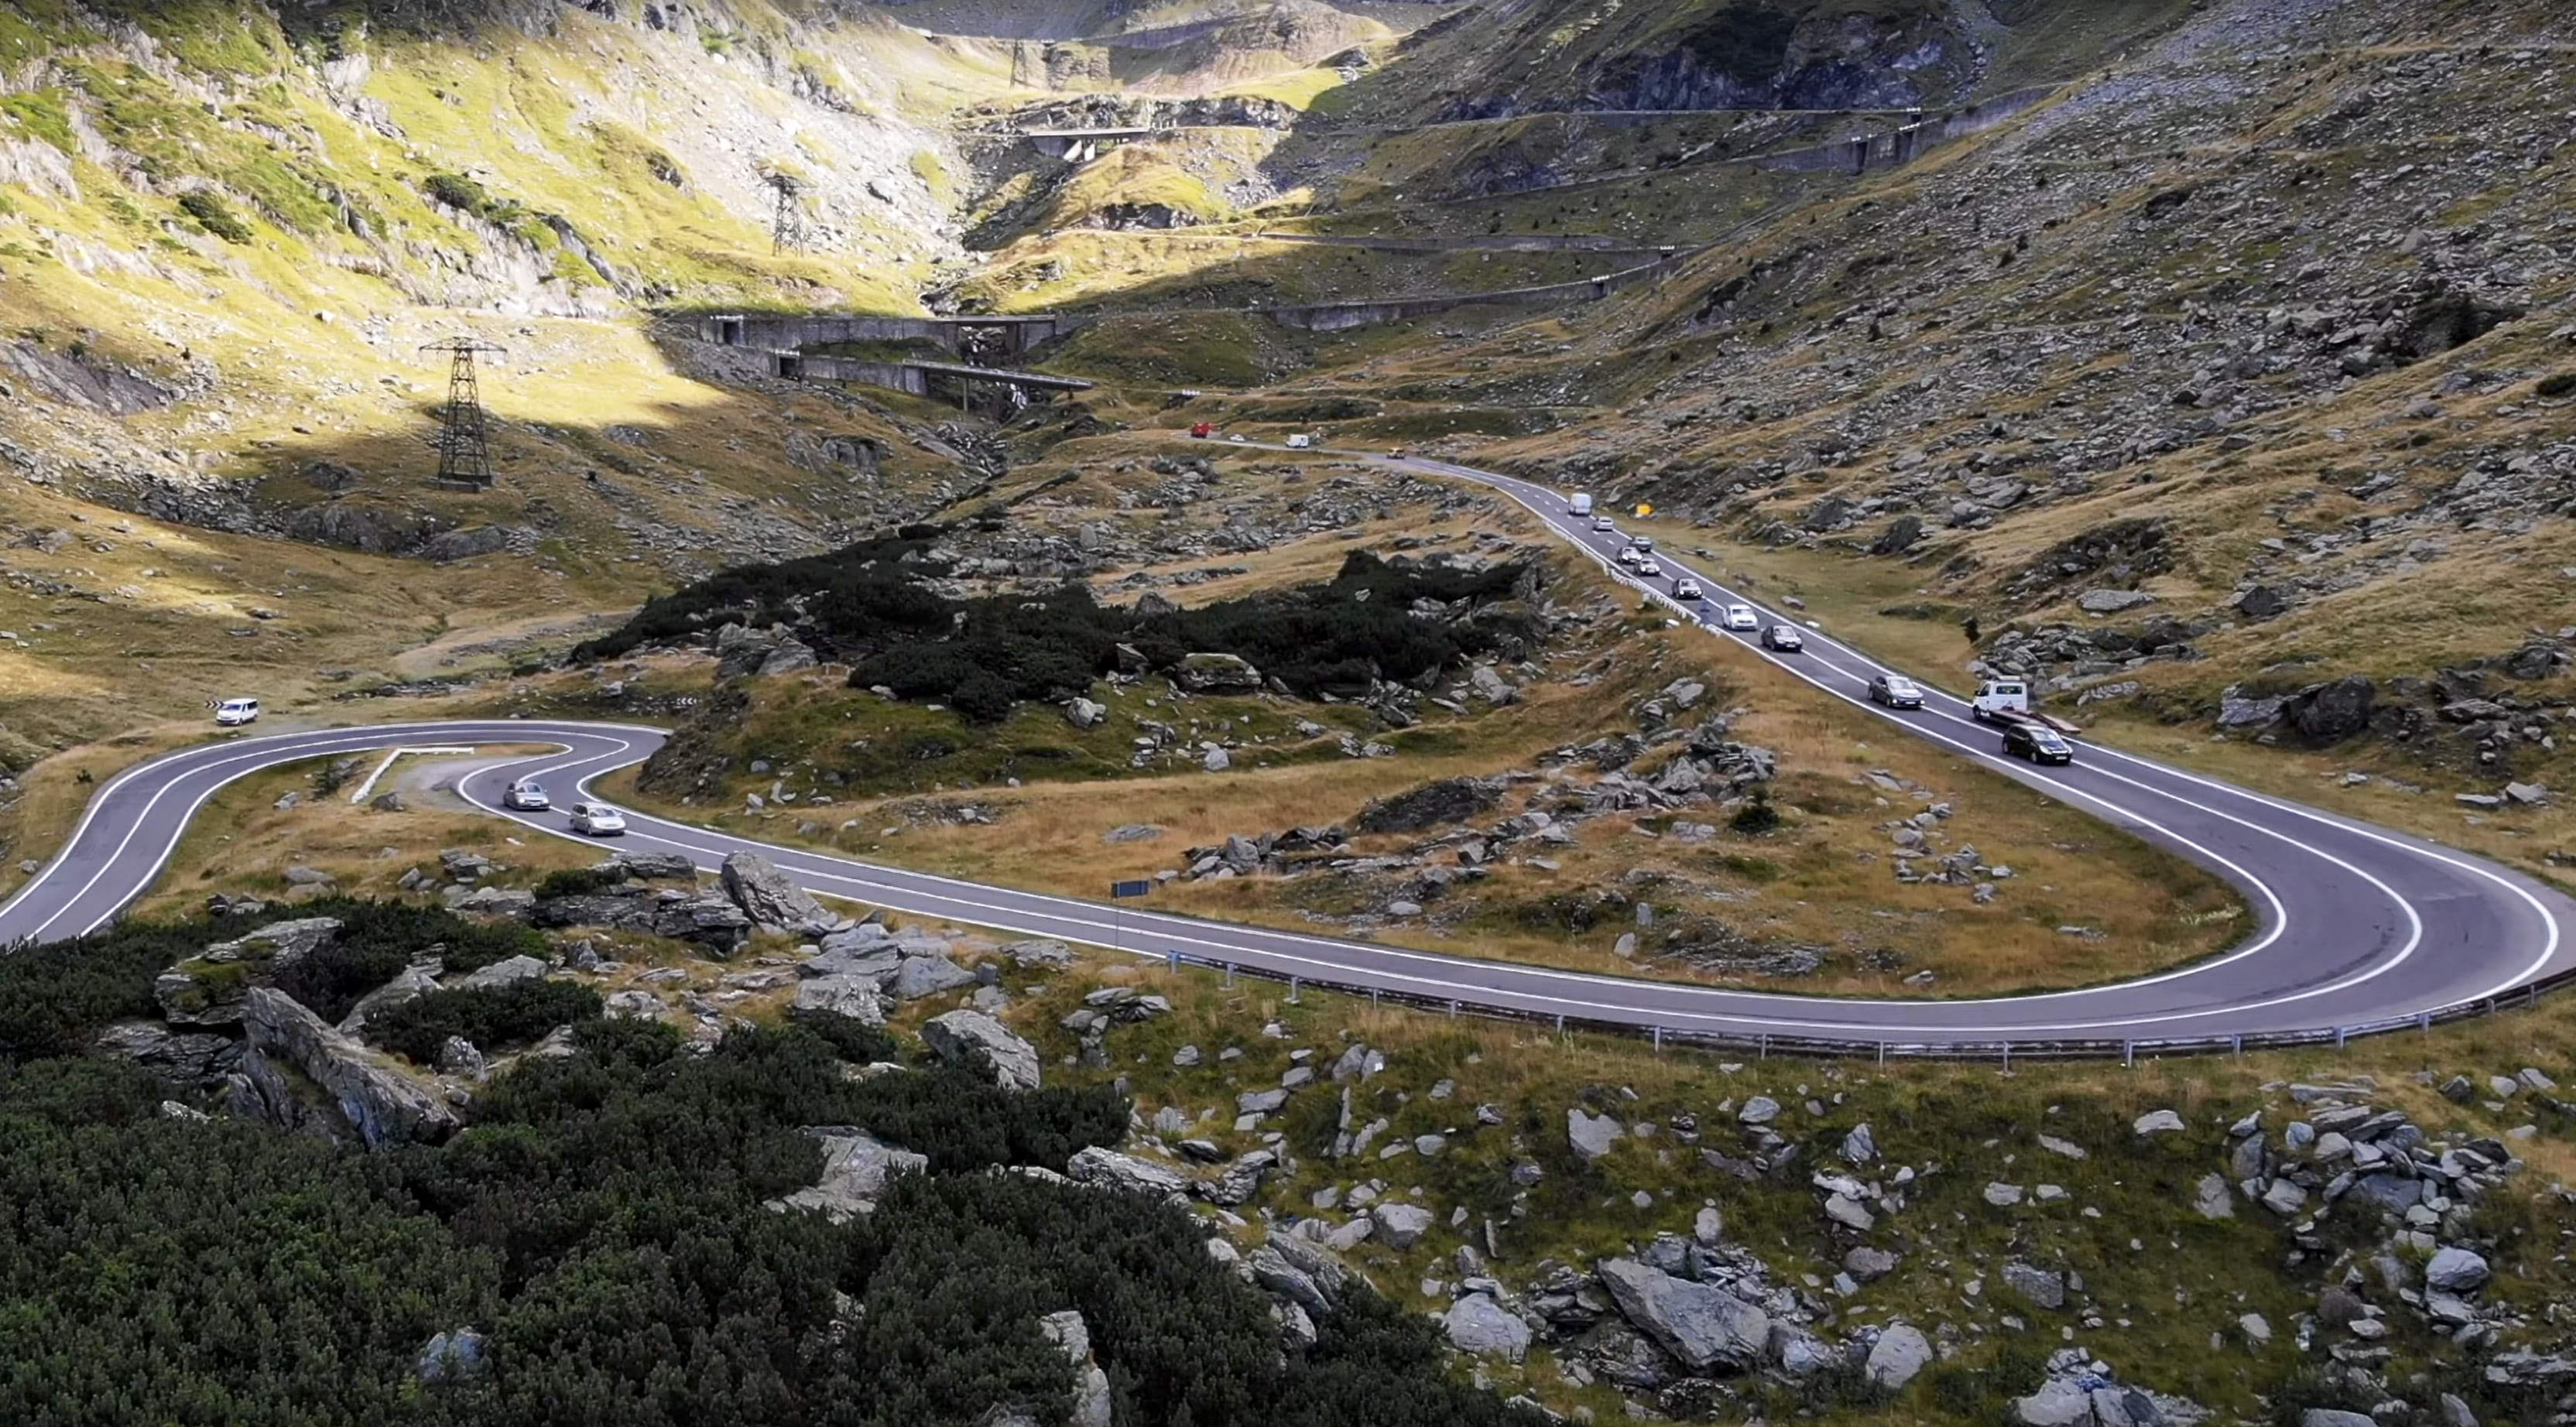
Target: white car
1686 590
1741 616
233 713
1236 439
1629 557
1650 568
1605 525
527 795
597 820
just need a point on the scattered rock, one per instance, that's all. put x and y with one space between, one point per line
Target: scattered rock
971 1038
2159 1122
1899 1354
1476 1324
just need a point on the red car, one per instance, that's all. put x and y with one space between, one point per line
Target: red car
1201 431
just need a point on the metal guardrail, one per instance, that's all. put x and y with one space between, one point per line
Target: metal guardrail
2127 1052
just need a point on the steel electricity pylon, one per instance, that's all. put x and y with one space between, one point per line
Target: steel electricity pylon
464 455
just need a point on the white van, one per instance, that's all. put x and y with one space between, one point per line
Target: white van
2001 701
1300 441
232 713
1581 504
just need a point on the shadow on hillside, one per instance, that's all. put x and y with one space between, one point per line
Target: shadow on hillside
746 474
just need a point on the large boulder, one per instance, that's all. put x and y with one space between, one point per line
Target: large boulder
1400 1225
1091 1400
976 1040
849 997
857 1167
1704 1326
1108 1169
179 1058
921 976
504 972
1217 674
768 896
705 919
1477 1324
382 1105
1447 801
2330 713
651 866
2456 1270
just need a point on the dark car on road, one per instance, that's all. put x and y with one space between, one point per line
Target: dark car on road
2037 743
1784 638
1896 691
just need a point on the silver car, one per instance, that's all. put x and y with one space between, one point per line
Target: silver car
597 820
527 795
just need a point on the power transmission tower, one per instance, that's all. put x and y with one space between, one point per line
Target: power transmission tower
787 226
464 458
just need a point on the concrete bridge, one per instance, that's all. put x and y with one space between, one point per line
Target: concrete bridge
1082 145
796 332
914 377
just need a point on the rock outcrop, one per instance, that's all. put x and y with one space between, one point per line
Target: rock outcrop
381 1105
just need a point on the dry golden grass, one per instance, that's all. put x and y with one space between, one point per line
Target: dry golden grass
1826 880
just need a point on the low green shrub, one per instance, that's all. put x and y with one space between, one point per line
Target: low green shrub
492 1017
215 216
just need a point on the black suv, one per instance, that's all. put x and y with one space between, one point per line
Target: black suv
2038 744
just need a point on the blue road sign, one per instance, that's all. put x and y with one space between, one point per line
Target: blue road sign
1130 889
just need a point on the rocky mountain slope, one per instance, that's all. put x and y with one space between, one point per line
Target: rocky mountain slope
2230 373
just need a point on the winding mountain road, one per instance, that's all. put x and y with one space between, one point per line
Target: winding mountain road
2357 927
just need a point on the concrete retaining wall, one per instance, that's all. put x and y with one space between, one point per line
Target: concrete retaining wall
1337 316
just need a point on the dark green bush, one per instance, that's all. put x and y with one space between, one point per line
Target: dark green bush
582 881
1757 816
602 1223
855 1043
55 996
457 191
491 1017
862 606
213 215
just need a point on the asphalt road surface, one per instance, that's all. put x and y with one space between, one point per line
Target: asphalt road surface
2356 926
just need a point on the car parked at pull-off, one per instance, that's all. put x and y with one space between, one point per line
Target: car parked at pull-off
527 795
597 820
2037 742
233 713
1896 691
